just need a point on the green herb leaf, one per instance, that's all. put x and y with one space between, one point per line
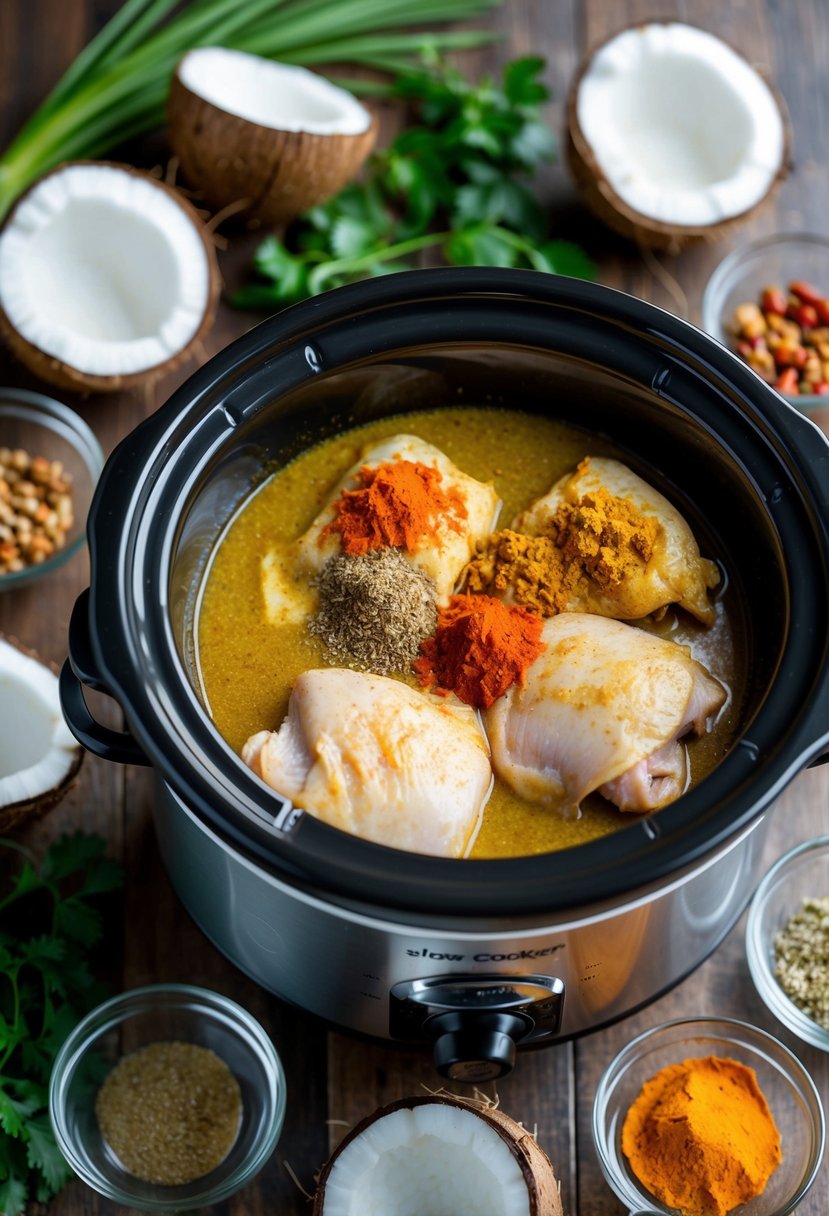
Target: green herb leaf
13 1113
481 246
520 84
533 143
71 853
47 985
27 880
44 1155
77 921
563 257
351 238
13 1195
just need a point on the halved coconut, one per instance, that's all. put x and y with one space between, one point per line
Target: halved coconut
673 135
438 1154
272 138
107 276
39 759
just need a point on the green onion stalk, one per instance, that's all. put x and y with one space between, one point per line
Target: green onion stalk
117 86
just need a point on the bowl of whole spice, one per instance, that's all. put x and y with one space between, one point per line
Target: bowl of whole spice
768 301
787 941
50 462
704 1115
167 1098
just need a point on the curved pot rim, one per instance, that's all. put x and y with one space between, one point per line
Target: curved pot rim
137 661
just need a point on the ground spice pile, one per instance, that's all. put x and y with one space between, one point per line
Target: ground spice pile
700 1136
401 505
374 609
170 1112
607 536
601 540
801 959
481 647
529 569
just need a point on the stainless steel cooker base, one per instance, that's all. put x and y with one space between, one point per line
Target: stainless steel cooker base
354 966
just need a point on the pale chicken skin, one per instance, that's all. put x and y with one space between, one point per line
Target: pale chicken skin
603 708
674 574
453 543
379 759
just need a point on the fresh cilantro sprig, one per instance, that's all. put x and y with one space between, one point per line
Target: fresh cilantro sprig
48 925
457 181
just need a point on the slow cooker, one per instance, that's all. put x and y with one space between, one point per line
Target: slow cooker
474 957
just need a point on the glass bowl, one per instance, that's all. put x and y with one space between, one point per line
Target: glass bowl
44 427
788 1088
164 1013
801 872
742 275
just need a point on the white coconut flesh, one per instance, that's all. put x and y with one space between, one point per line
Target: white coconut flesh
37 752
683 129
430 1160
275 95
104 270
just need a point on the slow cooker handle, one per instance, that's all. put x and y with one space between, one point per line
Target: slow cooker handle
79 670
116 745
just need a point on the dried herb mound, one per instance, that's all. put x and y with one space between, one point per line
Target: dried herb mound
801 959
375 609
49 924
170 1112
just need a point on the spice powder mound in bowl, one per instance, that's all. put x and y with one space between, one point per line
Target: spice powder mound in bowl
167 1098
787 941
737 1076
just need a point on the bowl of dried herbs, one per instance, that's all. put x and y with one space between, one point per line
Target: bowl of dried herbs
787 941
167 1098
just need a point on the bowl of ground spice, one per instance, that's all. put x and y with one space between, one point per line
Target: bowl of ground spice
704 1116
167 1098
787 941
50 462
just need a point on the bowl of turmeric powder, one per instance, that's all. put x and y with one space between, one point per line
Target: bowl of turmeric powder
704 1115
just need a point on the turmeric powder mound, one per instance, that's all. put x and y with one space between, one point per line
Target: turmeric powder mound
528 569
607 536
599 541
700 1136
397 505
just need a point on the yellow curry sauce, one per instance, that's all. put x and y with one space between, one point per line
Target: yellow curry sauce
248 665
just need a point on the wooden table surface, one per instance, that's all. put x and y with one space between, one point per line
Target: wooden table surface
333 1080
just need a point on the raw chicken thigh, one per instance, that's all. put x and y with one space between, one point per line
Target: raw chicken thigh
376 758
675 573
602 709
444 556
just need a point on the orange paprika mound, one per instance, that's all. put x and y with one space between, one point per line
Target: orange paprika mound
481 647
398 505
700 1136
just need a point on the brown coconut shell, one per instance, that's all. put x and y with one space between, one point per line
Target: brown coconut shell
268 176
612 210
17 815
62 374
542 1185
